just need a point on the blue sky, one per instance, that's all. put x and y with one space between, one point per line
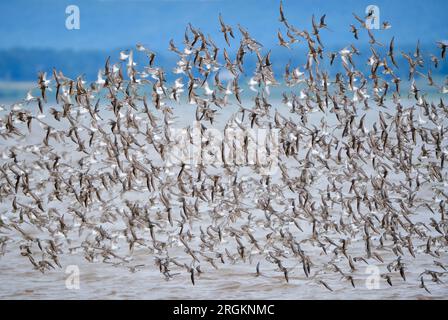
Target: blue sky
119 23
33 36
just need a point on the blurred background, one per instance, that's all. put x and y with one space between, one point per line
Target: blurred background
34 36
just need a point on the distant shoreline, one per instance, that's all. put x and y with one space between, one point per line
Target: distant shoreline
13 90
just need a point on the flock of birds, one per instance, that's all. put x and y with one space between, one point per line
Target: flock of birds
361 174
